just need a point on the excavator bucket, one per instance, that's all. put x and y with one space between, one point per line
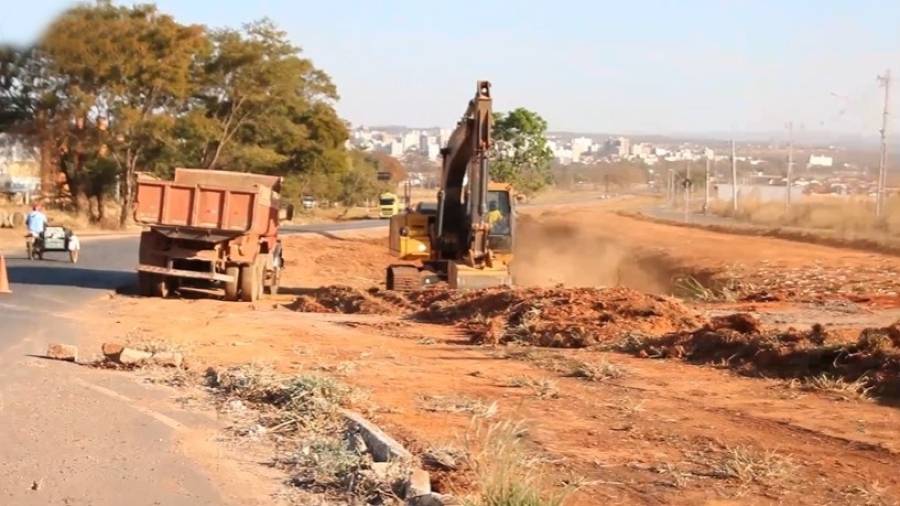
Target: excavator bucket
464 277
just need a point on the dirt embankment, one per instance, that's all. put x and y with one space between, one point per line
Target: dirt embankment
741 343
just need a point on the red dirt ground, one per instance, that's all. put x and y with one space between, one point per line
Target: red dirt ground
645 432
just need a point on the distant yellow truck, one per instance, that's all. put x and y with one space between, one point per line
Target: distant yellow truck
388 205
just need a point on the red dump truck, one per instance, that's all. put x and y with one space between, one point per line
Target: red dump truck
212 228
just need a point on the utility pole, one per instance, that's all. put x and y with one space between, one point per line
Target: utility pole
734 183
885 81
706 192
790 165
687 192
670 183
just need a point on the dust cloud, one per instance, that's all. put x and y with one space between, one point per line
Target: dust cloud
550 252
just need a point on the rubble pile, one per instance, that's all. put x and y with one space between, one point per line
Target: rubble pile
740 342
344 299
554 317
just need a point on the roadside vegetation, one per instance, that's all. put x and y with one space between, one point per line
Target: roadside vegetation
850 218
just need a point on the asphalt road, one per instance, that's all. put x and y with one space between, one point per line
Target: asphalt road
79 436
42 290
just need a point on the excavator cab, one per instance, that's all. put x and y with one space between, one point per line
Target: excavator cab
500 217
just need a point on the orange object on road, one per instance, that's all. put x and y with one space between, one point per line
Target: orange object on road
4 279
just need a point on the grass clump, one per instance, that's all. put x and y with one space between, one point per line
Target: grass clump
543 388
596 371
835 386
458 404
748 466
507 474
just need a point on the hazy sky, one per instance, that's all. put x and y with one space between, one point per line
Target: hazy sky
598 66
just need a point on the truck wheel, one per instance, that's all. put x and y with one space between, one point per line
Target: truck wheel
145 284
161 287
251 284
231 287
276 281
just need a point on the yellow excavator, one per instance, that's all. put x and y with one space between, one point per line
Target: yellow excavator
466 238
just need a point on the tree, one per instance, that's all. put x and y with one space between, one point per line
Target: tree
131 76
261 106
132 87
520 155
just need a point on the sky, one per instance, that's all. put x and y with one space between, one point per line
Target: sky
652 67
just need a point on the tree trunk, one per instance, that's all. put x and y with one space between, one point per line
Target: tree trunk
127 186
127 189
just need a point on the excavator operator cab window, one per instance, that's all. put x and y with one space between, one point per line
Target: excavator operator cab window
499 214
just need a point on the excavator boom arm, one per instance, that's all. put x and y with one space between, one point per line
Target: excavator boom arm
465 162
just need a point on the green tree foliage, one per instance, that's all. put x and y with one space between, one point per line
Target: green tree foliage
520 155
131 87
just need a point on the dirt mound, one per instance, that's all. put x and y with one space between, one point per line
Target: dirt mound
344 299
738 341
554 317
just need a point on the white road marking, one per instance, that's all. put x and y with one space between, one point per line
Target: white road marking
165 420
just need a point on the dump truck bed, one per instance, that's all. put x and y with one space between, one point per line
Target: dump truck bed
210 200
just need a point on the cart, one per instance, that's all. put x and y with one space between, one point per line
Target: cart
53 238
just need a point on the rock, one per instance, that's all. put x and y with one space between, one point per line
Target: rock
167 359
358 444
441 459
419 483
130 356
58 351
432 499
112 350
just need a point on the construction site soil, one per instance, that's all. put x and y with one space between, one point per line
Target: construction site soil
551 317
574 362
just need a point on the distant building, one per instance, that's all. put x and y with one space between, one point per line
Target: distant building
624 146
820 161
580 146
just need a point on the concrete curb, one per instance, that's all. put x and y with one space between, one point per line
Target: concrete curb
383 448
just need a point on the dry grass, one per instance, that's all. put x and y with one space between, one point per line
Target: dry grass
507 474
600 370
833 386
750 466
847 216
543 388
558 362
458 404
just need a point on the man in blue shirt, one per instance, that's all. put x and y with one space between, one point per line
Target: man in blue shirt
36 222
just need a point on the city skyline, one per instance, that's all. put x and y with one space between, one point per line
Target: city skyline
698 68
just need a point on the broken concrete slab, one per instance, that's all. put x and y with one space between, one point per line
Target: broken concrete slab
112 350
384 448
130 356
418 484
66 352
167 359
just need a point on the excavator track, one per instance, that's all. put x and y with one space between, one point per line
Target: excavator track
404 278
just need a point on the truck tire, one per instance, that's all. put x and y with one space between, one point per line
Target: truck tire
251 282
276 281
145 284
231 287
161 286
